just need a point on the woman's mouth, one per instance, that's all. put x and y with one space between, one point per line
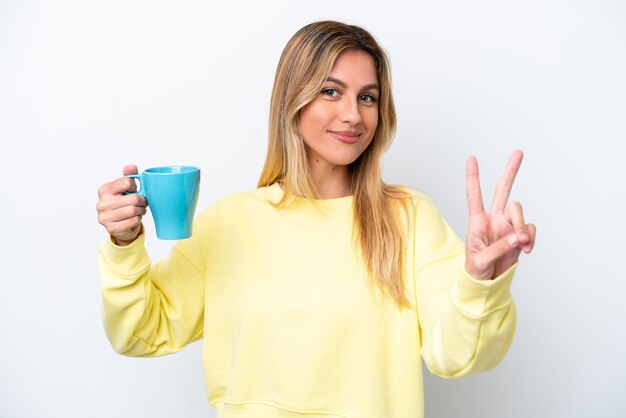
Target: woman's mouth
347 137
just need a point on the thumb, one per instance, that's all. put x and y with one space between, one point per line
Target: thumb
498 249
130 169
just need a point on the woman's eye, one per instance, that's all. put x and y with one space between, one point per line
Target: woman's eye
330 92
367 98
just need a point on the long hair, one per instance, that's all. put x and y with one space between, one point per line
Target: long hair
378 208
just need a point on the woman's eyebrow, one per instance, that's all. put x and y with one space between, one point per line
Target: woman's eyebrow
345 86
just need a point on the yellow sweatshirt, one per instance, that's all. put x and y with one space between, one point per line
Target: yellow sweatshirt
291 326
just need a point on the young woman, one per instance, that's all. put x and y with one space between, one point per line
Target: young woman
320 292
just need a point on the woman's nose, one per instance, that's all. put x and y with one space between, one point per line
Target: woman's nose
350 112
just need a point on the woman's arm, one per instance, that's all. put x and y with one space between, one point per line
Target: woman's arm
466 313
466 325
148 309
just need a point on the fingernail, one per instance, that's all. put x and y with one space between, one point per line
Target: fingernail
512 240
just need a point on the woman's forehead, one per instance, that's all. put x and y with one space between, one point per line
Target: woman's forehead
354 66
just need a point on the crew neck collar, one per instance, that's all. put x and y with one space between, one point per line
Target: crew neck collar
275 193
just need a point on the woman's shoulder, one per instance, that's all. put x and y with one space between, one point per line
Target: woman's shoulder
421 205
409 192
252 196
243 200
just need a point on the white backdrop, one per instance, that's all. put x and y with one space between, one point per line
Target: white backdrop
87 87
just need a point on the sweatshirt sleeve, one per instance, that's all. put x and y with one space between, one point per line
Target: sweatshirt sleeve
153 309
466 325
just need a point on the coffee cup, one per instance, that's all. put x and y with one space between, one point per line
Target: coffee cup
172 195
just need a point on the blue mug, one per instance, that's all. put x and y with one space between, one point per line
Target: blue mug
172 195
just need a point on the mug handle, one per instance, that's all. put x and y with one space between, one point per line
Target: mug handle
140 190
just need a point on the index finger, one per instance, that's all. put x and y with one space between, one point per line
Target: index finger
474 195
118 187
503 189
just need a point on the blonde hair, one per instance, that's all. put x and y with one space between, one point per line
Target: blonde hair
378 208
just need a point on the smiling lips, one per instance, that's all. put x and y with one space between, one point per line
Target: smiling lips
347 137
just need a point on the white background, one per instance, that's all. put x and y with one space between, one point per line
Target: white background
87 87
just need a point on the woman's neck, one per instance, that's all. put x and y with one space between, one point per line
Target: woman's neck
331 181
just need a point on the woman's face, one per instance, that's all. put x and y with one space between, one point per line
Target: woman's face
339 124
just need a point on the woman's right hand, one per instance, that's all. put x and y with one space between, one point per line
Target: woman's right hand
121 213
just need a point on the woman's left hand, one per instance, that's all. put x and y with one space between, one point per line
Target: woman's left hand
495 239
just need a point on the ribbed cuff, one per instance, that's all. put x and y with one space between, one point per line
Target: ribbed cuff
481 297
126 261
